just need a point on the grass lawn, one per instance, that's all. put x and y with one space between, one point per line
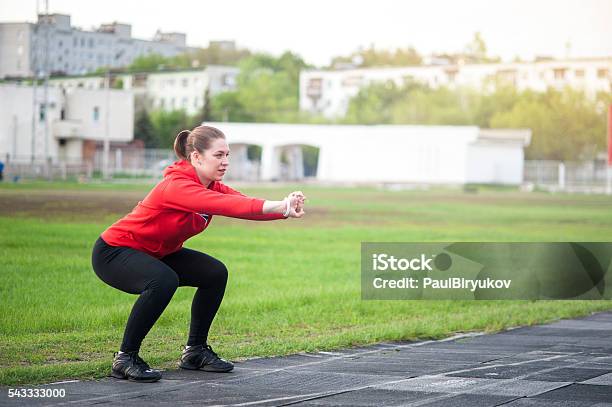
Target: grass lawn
294 285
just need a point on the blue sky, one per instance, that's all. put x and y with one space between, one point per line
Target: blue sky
320 29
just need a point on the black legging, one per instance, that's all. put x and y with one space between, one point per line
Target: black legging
156 280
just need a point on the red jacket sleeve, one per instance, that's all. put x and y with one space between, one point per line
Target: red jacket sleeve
188 195
224 189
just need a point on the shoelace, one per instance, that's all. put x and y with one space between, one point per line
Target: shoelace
138 360
211 350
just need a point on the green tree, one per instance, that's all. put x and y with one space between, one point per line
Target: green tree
566 125
267 91
147 63
204 113
477 49
226 107
411 103
168 124
145 131
215 54
380 57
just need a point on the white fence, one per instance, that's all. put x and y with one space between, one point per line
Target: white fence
147 162
588 177
21 167
128 163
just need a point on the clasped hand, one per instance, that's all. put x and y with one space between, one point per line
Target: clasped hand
296 203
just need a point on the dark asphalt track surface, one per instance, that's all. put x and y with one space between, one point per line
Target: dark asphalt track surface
566 363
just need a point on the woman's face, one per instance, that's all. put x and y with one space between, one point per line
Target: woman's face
212 164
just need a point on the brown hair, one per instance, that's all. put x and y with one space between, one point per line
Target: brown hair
199 139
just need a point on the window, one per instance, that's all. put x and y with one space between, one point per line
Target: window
75 41
602 73
172 103
313 88
196 102
96 114
451 75
349 81
42 113
60 43
185 82
579 73
82 42
184 102
90 43
559 73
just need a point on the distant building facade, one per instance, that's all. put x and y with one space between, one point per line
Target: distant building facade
328 92
53 44
70 127
163 90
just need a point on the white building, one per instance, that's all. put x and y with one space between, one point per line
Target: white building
329 92
186 89
27 48
167 90
69 128
380 154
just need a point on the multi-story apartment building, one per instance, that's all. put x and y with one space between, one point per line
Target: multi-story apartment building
52 45
164 90
67 125
328 92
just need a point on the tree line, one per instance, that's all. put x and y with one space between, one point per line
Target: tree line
566 124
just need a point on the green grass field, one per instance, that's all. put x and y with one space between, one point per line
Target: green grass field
294 285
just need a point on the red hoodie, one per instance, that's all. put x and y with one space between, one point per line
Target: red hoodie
178 208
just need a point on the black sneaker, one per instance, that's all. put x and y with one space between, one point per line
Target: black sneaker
202 357
130 366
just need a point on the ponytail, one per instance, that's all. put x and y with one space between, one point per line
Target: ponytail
198 139
180 144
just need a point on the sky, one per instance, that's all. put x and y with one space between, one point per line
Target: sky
318 30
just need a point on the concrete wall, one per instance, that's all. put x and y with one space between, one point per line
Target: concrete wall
82 102
395 154
16 110
494 164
